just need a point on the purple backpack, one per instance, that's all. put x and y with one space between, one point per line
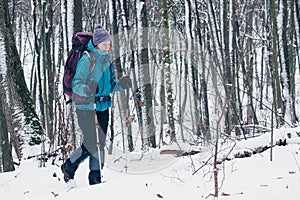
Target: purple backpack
79 46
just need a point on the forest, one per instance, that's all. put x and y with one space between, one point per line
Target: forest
202 70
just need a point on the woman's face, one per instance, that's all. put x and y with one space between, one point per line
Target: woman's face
105 46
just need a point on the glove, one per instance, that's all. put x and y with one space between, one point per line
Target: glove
92 87
125 82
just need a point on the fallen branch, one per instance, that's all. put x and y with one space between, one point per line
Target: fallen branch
253 126
259 149
50 154
178 153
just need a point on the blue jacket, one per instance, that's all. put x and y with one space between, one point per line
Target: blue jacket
102 73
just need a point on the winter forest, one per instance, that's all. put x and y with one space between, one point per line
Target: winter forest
203 71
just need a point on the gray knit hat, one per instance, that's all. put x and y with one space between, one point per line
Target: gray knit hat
100 35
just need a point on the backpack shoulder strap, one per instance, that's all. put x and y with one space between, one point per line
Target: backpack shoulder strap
92 60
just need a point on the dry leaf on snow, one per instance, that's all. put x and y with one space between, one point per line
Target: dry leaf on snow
225 194
263 185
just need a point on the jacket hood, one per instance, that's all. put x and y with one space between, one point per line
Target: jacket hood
90 45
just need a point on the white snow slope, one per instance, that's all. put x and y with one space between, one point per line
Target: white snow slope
255 177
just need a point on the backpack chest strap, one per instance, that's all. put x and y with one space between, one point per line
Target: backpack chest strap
103 98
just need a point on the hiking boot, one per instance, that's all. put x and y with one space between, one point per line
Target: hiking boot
67 176
68 170
94 177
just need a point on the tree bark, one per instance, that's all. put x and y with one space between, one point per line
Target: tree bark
148 135
5 145
274 64
167 68
123 97
15 98
77 16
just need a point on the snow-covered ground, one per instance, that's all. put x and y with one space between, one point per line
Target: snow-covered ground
255 177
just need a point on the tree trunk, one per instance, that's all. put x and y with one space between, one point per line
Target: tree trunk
167 67
77 22
292 51
148 135
126 25
123 97
274 65
205 125
5 146
297 7
288 57
15 98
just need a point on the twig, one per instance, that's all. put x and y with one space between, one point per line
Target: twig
54 194
48 154
202 165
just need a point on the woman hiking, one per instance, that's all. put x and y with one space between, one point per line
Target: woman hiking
91 94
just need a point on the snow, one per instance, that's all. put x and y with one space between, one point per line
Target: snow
171 178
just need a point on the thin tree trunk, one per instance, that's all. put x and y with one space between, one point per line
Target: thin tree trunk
274 62
77 22
123 97
145 84
167 73
51 71
289 56
297 5
5 146
205 125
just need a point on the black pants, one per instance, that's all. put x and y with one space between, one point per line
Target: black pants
86 120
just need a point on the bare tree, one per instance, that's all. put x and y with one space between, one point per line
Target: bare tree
167 71
122 97
77 16
274 63
288 20
17 105
145 88
6 159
